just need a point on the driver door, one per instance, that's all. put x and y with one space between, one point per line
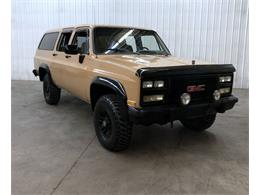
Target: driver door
76 69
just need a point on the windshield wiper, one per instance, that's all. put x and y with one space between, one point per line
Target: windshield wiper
165 53
121 50
116 50
151 52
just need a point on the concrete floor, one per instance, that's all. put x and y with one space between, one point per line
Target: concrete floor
55 151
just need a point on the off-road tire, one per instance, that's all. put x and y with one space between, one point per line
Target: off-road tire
50 91
199 124
115 133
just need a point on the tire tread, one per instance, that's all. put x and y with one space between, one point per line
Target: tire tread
123 130
55 92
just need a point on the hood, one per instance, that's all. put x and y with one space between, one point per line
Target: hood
135 62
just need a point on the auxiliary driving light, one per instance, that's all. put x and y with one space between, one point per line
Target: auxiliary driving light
185 98
152 98
216 95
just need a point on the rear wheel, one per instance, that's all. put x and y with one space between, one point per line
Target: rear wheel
50 91
111 122
199 124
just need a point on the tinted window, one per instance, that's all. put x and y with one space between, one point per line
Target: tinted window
48 41
128 41
64 40
81 39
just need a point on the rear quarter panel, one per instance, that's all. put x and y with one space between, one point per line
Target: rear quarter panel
45 57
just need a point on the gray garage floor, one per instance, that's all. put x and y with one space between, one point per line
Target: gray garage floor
55 151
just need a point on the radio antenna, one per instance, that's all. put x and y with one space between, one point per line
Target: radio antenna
94 13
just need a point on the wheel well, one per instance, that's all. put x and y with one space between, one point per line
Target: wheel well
42 72
98 90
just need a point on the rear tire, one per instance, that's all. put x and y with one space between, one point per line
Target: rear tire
111 122
50 91
199 124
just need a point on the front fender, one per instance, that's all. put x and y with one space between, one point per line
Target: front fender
102 86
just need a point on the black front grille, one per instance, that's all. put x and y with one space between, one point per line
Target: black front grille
179 85
176 85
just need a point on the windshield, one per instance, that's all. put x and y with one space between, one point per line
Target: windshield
109 40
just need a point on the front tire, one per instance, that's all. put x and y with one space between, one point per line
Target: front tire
199 124
111 122
50 91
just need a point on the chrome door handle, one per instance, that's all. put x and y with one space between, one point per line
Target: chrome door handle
67 56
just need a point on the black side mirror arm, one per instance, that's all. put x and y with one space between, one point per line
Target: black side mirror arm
82 56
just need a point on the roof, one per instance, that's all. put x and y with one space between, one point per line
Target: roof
93 26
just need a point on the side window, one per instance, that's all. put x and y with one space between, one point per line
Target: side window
48 41
64 40
81 39
150 42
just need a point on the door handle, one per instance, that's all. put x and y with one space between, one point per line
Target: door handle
67 56
54 54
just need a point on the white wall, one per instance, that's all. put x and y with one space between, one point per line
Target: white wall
210 30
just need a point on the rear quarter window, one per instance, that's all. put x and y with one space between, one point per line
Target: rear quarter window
48 41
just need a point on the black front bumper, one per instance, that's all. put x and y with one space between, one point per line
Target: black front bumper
165 114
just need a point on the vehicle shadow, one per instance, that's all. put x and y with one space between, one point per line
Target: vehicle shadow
175 138
146 138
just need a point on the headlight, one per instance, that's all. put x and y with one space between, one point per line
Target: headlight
225 79
152 98
155 84
147 84
224 90
158 84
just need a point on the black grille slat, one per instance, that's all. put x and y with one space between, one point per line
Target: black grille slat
179 86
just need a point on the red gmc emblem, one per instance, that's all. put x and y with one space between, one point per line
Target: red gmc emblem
195 88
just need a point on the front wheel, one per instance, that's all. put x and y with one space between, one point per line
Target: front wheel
111 122
199 124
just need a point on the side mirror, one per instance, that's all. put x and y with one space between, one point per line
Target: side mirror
71 49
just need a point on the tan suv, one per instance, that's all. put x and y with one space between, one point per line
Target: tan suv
129 77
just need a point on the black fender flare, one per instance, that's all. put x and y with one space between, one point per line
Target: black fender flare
111 84
43 69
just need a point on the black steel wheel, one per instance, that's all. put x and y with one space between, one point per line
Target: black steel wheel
111 122
105 125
